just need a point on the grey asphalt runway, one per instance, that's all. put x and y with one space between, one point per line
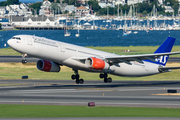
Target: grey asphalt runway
118 93
16 59
31 59
66 92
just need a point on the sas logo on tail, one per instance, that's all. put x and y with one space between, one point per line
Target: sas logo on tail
162 59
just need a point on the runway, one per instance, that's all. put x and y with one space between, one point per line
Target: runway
65 92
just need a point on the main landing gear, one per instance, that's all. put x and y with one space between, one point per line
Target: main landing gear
24 61
76 77
106 80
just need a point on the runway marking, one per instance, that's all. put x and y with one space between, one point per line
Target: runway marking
101 96
50 91
173 94
96 89
146 89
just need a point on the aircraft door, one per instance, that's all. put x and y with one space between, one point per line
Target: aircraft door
146 67
29 41
61 48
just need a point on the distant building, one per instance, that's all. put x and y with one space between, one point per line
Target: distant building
122 2
169 9
63 6
105 3
70 8
20 10
34 21
81 11
45 8
2 10
131 2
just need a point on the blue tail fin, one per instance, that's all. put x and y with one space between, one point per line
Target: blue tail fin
165 47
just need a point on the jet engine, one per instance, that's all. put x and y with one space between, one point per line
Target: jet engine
97 64
47 66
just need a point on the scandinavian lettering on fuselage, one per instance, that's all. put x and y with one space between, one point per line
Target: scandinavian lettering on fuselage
45 41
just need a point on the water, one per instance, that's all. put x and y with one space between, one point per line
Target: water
98 37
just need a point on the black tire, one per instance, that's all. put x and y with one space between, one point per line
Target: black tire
77 81
73 77
81 81
101 75
105 80
24 61
109 80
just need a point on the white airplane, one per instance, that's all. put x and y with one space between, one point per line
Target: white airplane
53 54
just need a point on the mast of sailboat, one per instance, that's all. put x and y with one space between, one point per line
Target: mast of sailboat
125 22
118 9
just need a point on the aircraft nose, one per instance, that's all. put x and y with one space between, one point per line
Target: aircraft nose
9 42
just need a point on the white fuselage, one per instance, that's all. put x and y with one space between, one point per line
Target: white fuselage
64 54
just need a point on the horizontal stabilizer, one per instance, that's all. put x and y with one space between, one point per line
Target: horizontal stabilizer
164 69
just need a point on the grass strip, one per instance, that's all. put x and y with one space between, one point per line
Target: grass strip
52 111
17 70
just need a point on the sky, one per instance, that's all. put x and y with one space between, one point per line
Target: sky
33 1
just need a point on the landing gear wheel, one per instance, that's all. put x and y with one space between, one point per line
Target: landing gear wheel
77 81
101 75
76 77
81 81
24 61
109 80
73 77
105 80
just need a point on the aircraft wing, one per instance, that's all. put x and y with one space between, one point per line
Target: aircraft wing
139 58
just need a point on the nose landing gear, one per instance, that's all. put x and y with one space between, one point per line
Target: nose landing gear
24 61
106 80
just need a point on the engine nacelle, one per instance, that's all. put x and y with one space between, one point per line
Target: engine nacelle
97 64
47 66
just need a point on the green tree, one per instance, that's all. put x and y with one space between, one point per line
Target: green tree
0 26
94 4
66 11
4 3
72 2
11 2
55 7
50 0
174 4
144 12
36 7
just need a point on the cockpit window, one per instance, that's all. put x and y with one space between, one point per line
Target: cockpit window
17 38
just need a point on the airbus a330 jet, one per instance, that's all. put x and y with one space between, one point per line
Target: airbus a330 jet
53 54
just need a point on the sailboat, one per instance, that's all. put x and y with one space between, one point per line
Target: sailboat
125 33
66 33
77 35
